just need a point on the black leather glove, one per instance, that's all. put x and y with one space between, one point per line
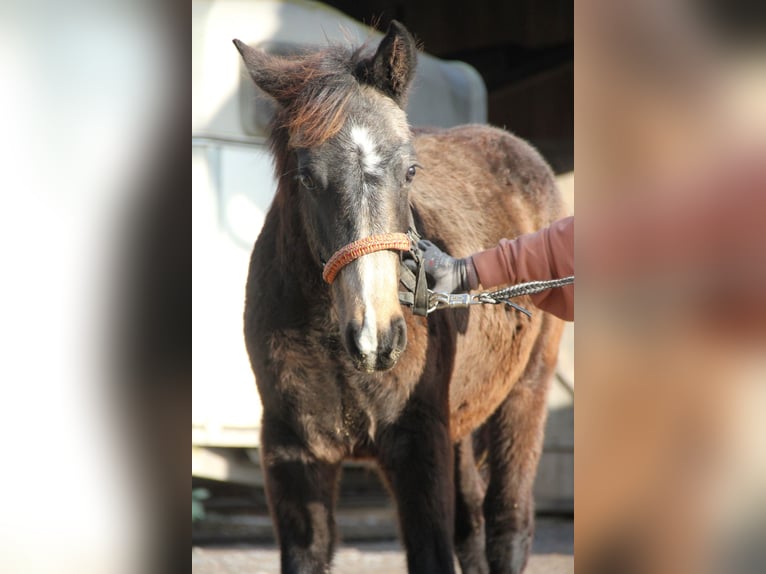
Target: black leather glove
447 274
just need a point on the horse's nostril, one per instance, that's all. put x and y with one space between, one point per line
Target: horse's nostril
356 345
376 355
352 339
399 332
393 344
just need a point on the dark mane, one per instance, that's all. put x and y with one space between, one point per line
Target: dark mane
317 87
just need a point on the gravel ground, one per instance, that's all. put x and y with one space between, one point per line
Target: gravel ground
552 554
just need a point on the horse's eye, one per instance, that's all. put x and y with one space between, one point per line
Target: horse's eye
411 173
306 181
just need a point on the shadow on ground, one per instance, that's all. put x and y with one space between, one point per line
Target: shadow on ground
552 554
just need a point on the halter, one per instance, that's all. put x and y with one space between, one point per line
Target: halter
364 246
417 295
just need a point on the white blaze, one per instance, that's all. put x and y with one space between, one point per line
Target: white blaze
368 151
374 273
371 268
368 338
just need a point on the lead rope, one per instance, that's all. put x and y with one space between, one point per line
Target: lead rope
424 301
503 296
528 288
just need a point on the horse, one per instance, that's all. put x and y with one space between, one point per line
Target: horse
343 368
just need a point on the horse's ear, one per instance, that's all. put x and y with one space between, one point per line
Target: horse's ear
392 67
265 70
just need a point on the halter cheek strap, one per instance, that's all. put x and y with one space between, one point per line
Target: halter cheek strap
364 246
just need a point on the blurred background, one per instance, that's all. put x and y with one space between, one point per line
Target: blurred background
670 103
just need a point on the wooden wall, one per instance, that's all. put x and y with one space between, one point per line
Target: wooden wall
523 49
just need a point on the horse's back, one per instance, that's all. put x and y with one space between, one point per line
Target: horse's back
478 185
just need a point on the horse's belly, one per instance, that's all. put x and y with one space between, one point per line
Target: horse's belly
491 357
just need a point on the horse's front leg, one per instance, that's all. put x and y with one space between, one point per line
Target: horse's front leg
416 457
301 492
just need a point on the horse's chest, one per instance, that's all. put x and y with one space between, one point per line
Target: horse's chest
339 417
322 396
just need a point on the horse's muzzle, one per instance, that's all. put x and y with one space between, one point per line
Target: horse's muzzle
383 355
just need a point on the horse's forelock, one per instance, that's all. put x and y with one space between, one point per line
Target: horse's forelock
317 90
318 114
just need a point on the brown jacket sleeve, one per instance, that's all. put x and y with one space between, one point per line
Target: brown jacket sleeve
545 254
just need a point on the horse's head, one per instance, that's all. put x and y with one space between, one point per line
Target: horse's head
341 137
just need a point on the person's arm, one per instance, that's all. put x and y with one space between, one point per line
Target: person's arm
542 255
539 256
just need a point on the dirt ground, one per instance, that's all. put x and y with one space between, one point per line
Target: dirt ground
552 554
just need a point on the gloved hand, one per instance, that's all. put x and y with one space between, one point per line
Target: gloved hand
447 274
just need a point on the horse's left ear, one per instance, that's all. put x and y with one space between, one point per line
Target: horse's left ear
392 67
270 73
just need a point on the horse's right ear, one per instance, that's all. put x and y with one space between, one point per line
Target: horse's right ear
265 70
392 67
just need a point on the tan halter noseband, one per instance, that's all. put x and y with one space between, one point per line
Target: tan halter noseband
364 246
